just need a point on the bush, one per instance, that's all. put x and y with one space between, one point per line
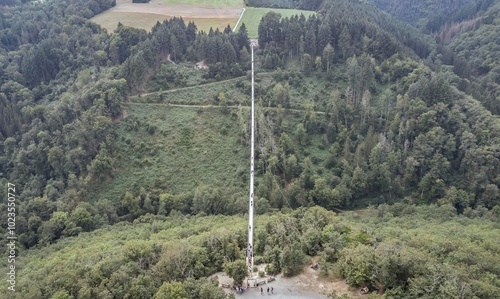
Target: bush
292 260
357 264
237 270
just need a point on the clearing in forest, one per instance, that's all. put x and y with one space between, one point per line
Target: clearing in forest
177 149
205 13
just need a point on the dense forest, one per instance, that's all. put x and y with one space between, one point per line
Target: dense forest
464 31
402 250
431 15
298 4
63 83
355 110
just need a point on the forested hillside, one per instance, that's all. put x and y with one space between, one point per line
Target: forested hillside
431 15
402 250
475 48
465 32
387 116
109 135
63 84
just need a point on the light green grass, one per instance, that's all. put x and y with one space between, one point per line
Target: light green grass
190 147
207 3
252 16
203 94
199 143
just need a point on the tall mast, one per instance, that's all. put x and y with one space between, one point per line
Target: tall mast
251 201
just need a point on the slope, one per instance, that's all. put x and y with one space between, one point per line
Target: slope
431 15
135 259
475 48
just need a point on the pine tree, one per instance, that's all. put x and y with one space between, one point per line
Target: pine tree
324 35
345 42
328 56
242 37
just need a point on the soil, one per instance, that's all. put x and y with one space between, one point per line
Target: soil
310 279
307 285
179 10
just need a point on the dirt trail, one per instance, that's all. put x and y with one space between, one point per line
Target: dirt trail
213 106
203 85
198 86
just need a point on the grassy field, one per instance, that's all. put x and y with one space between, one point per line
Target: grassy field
146 21
109 20
208 3
252 16
206 14
189 147
198 95
206 23
196 144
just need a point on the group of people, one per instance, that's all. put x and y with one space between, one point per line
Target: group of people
240 290
262 290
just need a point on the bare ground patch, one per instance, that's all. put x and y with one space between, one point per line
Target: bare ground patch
310 280
145 15
307 285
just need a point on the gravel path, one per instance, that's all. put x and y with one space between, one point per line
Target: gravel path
307 285
283 288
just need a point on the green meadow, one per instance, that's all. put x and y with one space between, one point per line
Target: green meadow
177 149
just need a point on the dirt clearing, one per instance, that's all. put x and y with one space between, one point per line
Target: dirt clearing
145 15
307 285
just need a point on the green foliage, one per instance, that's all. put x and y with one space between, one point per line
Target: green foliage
352 118
172 290
178 162
237 270
357 264
292 260
82 218
253 15
262 206
62 295
364 247
475 52
181 261
432 15
338 25
210 291
142 252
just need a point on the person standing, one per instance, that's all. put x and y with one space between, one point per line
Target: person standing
272 289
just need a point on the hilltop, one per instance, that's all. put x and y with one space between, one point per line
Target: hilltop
112 135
